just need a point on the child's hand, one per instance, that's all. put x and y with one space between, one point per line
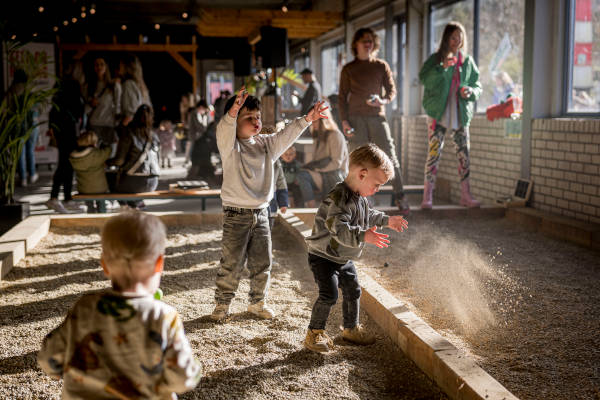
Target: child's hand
316 112
238 103
376 238
398 223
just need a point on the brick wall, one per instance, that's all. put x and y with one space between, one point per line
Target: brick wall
565 164
565 167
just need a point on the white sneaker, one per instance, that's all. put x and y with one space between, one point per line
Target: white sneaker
34 178
74 206
57 206
261 310
220 312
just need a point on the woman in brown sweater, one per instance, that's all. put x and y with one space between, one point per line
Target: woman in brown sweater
366 86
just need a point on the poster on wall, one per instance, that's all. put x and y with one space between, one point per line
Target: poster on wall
44 154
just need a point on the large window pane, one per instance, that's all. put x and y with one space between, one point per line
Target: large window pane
461 11
501 32
584 95
217 81
332 59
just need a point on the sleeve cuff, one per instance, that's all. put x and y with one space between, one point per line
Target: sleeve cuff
361 236
385 220
303 122
228 118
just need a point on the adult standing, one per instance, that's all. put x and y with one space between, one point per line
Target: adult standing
452 86
312 94
65 119
135 92
366 86
330 161
104 104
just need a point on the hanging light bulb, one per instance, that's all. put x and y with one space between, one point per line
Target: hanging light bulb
82 8
13 37
65 22
284 8
41 9
55 29
157 26
73 20
184 15
34 34
123 27
83 15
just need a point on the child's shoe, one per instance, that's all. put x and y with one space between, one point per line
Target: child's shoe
318 341
358 335
261 310
220 312
57 206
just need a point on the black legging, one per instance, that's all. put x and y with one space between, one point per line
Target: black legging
63 174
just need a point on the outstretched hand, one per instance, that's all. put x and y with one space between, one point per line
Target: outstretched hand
241 97
378 239
316 112
398 223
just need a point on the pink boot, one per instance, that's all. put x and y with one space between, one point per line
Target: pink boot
427 202
465 195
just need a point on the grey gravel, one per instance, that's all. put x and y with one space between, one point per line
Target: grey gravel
244 358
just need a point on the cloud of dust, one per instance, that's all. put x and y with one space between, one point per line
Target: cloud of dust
450 279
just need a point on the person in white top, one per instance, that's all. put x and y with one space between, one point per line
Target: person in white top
247 189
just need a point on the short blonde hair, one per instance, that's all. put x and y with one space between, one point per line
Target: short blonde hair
371 156
87 139
131 243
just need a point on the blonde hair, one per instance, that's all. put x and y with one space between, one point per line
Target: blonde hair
371 156
131 243
87 139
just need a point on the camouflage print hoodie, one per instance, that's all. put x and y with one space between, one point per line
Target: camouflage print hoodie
340 225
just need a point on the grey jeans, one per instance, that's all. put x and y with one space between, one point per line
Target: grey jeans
246 242
375 129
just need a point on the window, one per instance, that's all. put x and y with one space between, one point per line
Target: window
332 60
501 33
300 62
217 81
495 33
398 48
583 66
440 15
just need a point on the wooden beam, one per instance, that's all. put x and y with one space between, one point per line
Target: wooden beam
129 47
183 62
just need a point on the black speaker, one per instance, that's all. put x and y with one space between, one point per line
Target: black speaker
242 59
273 47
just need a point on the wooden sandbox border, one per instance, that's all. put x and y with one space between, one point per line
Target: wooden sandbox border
457 375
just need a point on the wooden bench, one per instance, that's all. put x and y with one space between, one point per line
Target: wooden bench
209 194
158 194
408 189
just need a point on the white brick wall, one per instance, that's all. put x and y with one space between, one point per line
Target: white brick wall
565 164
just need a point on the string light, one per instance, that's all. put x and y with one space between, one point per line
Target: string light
73 20
83 15
65 22
41 9
284 8
184 15
13 37
82 8
34 34
123 27
157 26
55 29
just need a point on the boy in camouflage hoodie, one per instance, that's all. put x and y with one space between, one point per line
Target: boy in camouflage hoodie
343 224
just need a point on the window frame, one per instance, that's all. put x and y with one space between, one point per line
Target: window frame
569 43
328 45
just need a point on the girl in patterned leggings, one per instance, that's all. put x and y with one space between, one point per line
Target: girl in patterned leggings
451 81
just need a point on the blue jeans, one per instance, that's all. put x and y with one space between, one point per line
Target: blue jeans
329 276
307 185
27 158
246 240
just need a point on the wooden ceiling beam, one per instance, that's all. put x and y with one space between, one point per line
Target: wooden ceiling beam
144 47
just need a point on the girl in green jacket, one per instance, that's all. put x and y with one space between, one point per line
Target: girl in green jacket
452 86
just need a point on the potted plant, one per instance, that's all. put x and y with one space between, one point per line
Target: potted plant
16 125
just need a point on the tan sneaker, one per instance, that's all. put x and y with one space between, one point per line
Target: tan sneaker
220 312
261 310
318 341
358 335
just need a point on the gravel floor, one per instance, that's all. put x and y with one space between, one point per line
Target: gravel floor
244 358
526 307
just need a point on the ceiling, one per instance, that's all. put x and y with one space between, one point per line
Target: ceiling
126 21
